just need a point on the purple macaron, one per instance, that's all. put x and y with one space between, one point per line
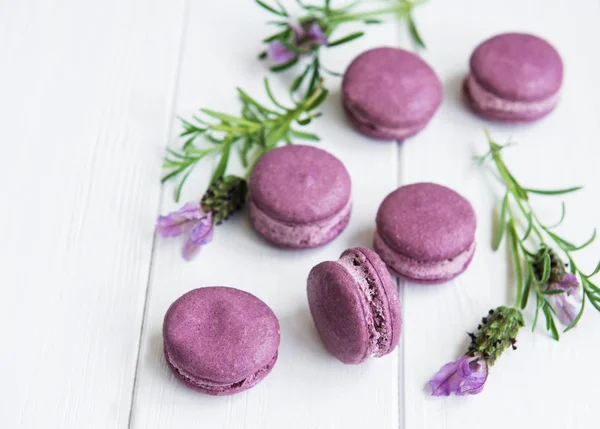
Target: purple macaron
299 197
390 93
426 232
355 306
515 77
220 340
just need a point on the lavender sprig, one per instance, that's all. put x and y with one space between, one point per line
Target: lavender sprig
541 272
255 131
314 30
467 375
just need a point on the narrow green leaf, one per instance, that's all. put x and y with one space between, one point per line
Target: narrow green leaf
222 166
282 8
595 302
596 271
346 39
175 153
502 224
170 175
538 304
245 97
332 73
304 136
553 330
562 216
550 325
514 242
275 135
414 32
228 118
180 186
576 320
587 243
529 227
547 266
304 121
319 100
561 241
262 55
285 66
590 285
297 82
553 292
316 75
527 288
271 9
372 21
271 96
244 150
553 191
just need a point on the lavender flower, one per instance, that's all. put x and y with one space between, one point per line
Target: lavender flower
192 218
566 304
465 376
468 374
200 235
307 37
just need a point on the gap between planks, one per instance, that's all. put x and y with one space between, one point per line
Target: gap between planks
168 131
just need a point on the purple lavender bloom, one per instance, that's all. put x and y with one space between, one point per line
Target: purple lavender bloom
192 218
307 36
279 53
465 376
200 235
180 221
566 304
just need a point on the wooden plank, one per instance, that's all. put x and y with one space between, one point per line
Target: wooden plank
308 388
543 383
85 90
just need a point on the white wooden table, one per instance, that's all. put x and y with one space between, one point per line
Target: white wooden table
89 92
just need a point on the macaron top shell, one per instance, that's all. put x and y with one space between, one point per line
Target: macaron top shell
299 184
355 305
518 66
391 87
338 306
220 334
426 222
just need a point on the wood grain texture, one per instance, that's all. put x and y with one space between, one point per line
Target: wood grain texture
308 388
84 106
544 383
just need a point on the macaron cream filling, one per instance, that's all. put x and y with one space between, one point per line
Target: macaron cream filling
486 100
307 235
211 386
398 132
423 270
365 276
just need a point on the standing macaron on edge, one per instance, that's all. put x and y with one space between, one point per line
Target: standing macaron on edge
355 306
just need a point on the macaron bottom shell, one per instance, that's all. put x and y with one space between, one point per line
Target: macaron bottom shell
299 236
491 106
218 389
423 272
379 132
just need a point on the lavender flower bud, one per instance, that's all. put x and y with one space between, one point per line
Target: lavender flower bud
497 332
224 197
557 267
